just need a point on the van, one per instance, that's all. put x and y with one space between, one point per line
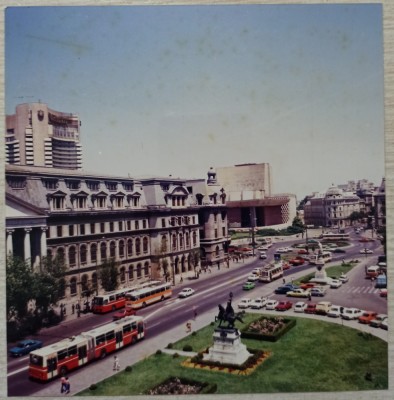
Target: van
323 307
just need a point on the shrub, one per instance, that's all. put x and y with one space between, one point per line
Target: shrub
129 368
194 333
170 345
175 355
187 347
93 386
158 352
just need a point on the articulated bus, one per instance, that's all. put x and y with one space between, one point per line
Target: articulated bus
271 272
320 259
58 358
114 300
331 237
142 297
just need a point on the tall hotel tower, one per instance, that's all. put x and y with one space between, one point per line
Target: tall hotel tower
39 136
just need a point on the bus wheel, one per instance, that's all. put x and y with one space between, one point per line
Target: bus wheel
113 308
134 340
103 354
63 371
144 304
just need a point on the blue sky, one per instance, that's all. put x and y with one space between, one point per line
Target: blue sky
177 89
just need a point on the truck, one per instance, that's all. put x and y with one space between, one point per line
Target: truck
381 281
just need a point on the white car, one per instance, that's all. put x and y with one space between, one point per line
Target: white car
263 248
186 292
271 304
366 251
256 271
281 250
245 302
343 278
335 283
351 313
334 312
253 278
300 306
263 256
259 302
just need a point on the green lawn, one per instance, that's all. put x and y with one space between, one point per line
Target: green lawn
335 270
313 356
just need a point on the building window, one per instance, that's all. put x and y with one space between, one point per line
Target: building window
146 272
194 219
194 238
138 246
129 248
50 184
112 186
174 242
73 185
122 275
128 186
224 231
59 231
145 245
72 256
73 286
216 233
131 272
217 251
82 229
103 251
139 270
112 249
187 239
164 244
121 248
80 202
93 185
144 224
83 253
93 252
215 217
120 226
111 226
163 222
102 227
180 241
71 230
92 228
58 202
129 225
60 253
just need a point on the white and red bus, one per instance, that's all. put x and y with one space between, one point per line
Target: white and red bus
58 358
140 298
271 272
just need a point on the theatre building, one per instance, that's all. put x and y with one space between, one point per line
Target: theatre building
88 218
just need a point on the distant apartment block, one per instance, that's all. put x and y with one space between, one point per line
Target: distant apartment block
39 136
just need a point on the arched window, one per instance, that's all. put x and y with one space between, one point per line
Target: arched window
129 248
60 253
194 238
121 248
94 281
84 285
112 249
164 244
138 246
73 286
131 272
217 251
62 288
72 256
139 270
180 241
146 269
93 252
174 242
82 254
103 251
122 274
187 239
145 245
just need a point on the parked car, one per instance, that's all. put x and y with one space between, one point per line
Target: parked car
344 278
297 261
256 271
385 324
367 317
335 283
308 285
323 307
258 303
377 321
186 292
285 288
245 302
318 291
126 312
24 347
351 313
248 285
298 293
300 306
302 251
271 304
263 256
310 308
253 278
283 306
383 293
334 311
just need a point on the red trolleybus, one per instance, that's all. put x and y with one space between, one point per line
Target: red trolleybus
58 358
271 272
142 297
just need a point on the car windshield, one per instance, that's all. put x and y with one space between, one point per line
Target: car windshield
21 345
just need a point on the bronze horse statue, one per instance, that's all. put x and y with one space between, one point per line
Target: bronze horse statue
228 315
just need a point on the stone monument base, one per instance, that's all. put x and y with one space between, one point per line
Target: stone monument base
321 277
227 347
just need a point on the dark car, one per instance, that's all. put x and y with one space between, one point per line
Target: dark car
285 288
123 313
24 347
284 305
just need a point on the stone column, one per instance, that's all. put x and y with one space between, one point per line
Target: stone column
27 248
10 248
43 242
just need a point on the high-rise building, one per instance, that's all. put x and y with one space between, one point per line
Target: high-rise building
39 136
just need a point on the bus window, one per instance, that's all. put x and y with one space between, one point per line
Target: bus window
100 339
62 354
109 335
82 352
36 360
72 351
127 328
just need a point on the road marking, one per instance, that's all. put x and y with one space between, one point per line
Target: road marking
17 371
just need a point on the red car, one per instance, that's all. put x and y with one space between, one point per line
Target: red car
284 305
123 313
310 308
307 285
297 261
302 251
367 317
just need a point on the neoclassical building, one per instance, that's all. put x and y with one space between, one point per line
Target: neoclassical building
138 223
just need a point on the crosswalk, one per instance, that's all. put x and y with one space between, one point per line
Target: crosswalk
358 289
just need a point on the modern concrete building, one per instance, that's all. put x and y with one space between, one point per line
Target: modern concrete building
39 136
150 227
250 200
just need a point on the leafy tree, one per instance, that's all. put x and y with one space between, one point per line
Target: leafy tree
194 259
108 274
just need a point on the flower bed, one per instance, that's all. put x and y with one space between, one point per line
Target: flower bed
178 386
268 328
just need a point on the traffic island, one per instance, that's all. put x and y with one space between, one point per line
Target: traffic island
268 328
179 386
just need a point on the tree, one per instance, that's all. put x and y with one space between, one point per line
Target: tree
108 274
194 259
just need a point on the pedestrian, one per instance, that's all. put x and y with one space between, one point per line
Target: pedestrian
73 309
181 279
284 280
194 312
309 296
67 386
63 384
188 327
116 363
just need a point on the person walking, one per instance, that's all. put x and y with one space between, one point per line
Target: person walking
67 386
194 312
116 364
188 327
63 382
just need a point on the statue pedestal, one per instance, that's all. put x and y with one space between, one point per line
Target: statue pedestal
321 277
227 347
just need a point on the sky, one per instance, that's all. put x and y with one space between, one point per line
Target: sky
175 90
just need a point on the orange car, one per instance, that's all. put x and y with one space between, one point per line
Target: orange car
367 317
